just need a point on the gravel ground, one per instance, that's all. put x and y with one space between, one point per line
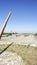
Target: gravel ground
8 58
30 39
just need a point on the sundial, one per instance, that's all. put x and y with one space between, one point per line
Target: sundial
5 23
2 30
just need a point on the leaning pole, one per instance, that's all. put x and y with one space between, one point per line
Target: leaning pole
5 23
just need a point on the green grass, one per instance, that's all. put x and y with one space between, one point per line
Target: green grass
27 52
6 33
9 33
35 34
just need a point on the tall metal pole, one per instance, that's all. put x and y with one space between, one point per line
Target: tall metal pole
4 25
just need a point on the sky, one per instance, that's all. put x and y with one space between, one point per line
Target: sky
23 18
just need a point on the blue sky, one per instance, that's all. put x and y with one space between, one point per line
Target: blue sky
23 18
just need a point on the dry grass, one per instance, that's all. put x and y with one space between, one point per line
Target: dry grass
27 52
